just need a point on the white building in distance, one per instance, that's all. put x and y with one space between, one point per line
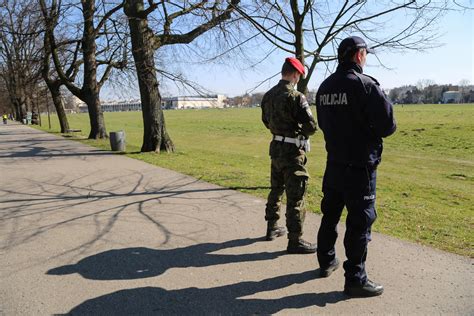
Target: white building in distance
452 97
116 106
173 103
193 102
72 104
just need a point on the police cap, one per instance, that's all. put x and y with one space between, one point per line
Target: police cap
351 44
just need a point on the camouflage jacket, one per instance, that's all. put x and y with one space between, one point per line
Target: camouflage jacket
286 112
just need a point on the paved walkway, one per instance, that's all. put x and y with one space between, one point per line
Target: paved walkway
84 231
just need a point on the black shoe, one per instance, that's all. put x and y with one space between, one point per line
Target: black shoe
300 246
275 232
327 271
364 290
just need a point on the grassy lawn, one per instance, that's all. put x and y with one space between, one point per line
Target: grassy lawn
425 182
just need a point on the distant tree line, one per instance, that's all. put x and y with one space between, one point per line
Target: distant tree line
245 100
253 100
429 93
424 92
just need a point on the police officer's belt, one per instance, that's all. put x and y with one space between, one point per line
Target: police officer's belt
300 143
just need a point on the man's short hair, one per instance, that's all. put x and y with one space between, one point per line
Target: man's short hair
349 55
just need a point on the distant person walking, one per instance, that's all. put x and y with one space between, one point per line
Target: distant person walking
286 112
5 118
354 115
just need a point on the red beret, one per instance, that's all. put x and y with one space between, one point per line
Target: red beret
296 64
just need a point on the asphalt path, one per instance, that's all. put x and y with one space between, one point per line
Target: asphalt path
85 231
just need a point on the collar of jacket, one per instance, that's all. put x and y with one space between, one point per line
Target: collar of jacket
286 83
349 65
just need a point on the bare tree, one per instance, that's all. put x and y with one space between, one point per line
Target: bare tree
6 106
464 82
20 53
54 83
95 29
27 59
310 29
423 83
177 23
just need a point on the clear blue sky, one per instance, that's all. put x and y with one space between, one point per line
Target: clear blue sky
450 63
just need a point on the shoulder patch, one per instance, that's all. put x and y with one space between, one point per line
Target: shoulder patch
305 105
303 101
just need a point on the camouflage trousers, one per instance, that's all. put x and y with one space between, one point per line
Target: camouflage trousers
290 175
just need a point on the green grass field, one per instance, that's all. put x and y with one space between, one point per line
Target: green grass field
425 181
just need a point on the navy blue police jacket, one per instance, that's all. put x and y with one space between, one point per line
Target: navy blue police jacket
354 115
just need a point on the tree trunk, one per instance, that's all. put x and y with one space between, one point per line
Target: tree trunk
299 49
90 90
59 106
22 109
29 107
155 136
96 116
54 85
17 107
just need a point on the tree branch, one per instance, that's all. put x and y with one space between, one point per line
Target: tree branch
107 16
165 39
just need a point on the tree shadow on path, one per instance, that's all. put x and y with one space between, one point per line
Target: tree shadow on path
140 262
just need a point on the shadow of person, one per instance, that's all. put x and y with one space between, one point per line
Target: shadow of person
227 299
140 262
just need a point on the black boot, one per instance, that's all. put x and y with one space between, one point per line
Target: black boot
324 272
363 290
300 246
274 231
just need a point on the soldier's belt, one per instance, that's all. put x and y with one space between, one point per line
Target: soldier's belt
300 143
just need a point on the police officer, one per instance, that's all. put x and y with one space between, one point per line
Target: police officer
286 112
354 115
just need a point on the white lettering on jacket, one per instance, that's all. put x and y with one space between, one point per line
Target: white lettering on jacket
369 197
333 99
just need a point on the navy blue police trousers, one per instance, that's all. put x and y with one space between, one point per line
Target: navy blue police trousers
352 187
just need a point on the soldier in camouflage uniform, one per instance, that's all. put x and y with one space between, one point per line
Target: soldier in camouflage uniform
286 112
